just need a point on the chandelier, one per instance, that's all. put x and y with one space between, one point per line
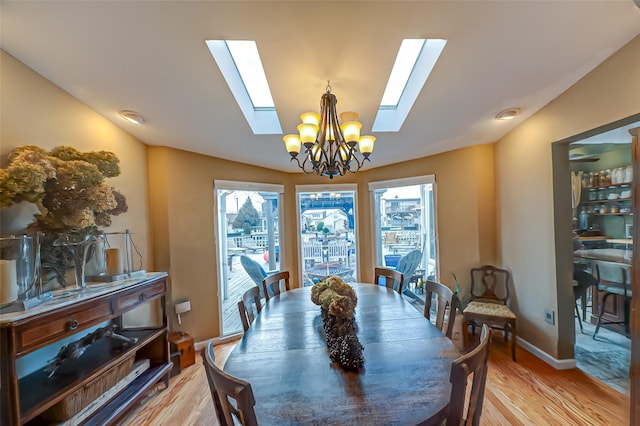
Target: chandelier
330 148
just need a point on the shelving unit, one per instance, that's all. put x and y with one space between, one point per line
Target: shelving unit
24 400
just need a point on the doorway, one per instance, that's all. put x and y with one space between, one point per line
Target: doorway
406 232
601 230
248 223
328 237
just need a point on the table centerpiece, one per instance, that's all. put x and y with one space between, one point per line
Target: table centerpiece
338 302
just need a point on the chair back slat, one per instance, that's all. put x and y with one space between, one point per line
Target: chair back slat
391 276
476 363
615 274
249 306
207 353
490 284
445 301
228 387
271 284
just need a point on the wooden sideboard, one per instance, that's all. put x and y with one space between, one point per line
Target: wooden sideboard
26 398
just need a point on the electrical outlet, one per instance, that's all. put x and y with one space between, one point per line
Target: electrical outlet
549 316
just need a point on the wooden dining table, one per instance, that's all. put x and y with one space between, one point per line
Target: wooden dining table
404 381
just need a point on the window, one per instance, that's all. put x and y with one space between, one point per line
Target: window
405 225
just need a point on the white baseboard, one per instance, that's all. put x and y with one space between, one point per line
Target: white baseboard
558 364
217 341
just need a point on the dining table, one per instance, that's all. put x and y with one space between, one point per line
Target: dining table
404 380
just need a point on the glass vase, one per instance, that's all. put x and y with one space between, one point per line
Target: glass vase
79 247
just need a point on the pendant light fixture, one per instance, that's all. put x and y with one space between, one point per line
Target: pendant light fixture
330 146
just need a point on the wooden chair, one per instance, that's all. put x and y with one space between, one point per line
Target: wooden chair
250 298
489 299
390 277
474 362
226 386
444 299
613 281
206 354
271 284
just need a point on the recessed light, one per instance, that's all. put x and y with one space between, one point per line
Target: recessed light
508 114
132 117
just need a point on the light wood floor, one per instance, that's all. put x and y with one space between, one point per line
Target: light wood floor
528 392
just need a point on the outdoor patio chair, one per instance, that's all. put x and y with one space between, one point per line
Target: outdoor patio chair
250 244
254 270
408 264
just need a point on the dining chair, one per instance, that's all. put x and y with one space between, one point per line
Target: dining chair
476 363
613 281
249 306
207 353
446 302
390 277
489 302
271 284
226 387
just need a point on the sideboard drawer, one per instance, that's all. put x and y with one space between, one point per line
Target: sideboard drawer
143 295
51 328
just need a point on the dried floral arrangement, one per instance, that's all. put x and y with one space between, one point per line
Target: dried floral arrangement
70 191
338 302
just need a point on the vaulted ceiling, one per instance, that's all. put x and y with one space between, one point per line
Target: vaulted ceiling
151 57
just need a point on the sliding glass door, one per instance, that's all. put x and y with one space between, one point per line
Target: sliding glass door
248 224
327 232
405 229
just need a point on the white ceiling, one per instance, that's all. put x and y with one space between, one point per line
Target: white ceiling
151 57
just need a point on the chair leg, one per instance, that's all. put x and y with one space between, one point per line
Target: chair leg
512 328
578 315
604 300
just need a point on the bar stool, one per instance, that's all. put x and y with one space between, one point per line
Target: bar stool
612 280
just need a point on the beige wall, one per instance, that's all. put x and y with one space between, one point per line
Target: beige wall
526 230
35 112
182 205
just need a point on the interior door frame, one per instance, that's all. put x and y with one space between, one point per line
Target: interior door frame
564 254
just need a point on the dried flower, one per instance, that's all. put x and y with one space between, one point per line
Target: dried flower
68 187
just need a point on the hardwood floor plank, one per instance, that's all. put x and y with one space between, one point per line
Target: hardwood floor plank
529 392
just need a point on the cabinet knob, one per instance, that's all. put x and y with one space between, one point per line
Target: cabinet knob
72 324
142 297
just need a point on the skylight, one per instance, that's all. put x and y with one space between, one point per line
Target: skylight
247 59
239 62
414 62
405 61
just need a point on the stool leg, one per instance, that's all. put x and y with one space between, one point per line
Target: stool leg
579 319
604 300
